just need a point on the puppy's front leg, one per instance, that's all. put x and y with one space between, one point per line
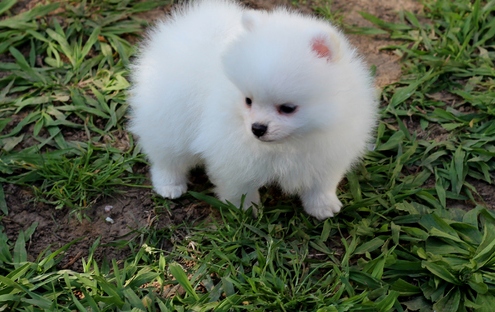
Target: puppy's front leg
167 181
321 202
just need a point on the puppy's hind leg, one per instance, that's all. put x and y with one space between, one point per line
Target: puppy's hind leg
233 193
169 175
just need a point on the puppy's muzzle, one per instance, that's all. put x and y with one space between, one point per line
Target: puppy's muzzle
259 129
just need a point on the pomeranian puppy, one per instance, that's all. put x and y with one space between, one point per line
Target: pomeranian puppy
257 98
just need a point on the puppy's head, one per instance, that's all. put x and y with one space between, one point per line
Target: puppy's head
282 65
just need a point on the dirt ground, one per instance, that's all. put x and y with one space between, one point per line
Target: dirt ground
133 209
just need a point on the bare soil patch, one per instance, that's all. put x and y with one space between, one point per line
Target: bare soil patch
131 213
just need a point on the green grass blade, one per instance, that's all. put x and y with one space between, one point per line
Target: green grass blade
6 4
3 204
181 277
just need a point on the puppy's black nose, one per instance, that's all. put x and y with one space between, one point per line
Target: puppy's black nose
258 129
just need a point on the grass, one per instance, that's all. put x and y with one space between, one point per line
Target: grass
415 233
63 97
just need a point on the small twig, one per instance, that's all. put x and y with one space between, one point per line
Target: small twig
73 260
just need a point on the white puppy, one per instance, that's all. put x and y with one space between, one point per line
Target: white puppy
257 97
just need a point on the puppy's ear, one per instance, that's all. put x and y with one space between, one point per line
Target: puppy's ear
326 46
251 19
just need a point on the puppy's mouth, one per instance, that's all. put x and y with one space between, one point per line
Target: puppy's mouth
262 139
271 139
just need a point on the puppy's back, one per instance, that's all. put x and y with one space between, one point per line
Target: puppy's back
176 68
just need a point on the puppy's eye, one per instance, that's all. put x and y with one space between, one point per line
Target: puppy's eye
248 101
287 108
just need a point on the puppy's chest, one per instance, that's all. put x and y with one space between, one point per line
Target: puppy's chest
286 167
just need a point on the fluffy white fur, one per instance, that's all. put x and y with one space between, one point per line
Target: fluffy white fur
212 70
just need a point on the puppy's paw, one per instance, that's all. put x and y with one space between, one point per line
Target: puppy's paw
323 212
322 206
171 191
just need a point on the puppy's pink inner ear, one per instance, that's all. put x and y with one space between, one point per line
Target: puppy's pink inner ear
319 46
